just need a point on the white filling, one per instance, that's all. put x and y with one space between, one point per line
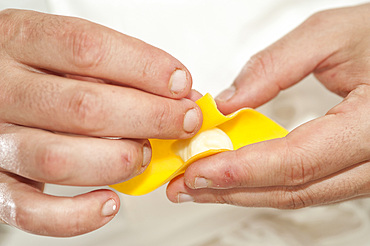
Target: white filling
213 138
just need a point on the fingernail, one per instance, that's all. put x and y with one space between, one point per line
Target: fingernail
178 81
109 208
191 120
147 155
227 94
200 183
183 197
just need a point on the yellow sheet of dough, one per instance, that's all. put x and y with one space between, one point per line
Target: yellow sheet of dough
243 127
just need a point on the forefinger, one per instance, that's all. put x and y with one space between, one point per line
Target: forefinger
75 46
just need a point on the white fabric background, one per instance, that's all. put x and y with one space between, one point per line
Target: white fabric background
213 39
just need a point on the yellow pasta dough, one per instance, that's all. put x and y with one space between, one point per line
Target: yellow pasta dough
218 133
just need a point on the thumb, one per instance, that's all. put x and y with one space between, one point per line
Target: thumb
282 64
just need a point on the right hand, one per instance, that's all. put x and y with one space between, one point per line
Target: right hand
324 161
67 83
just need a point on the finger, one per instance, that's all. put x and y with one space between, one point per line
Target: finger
76 46
28 209
71 160
284 63
346 185
66 105
312 151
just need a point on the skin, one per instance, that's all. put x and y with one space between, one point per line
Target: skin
324 161
66 85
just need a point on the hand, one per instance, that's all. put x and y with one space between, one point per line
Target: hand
324 161
65 84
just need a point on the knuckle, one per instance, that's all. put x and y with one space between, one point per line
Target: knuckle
230 178
325 18
233 175
161 122
85 108
125 164
151 62
294 198
302 168
129 164
316 18
319 17
246 171
296 174
236 198
346 188
88 49
52 163
261 64
223 199
148 64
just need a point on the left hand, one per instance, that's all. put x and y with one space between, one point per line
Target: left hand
324 161
66 85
